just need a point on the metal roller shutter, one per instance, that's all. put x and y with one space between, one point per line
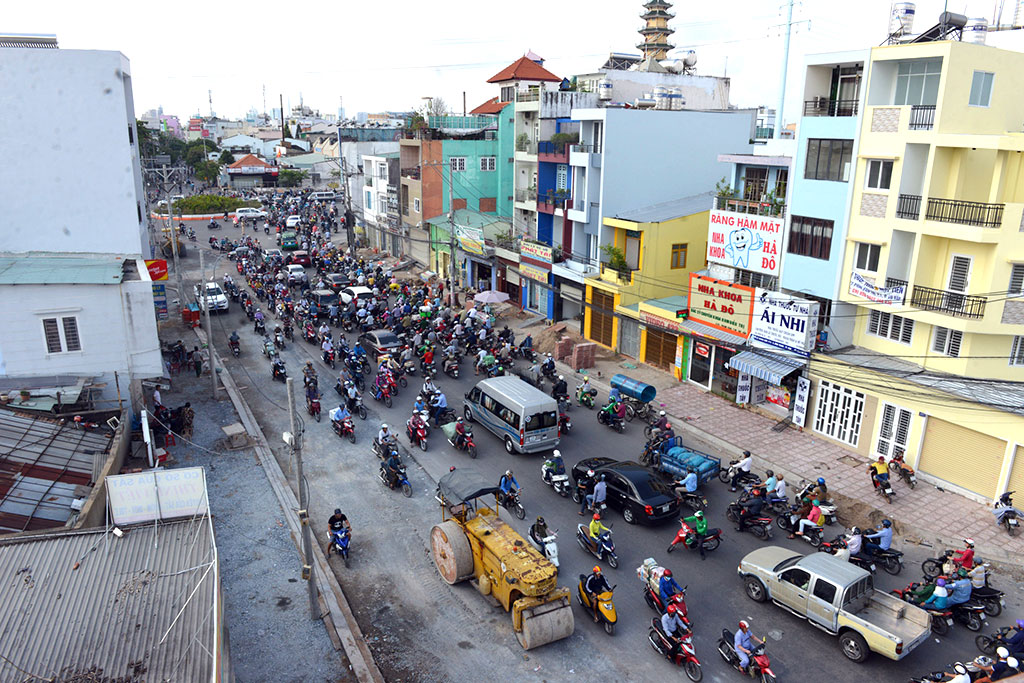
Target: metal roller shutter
962 457
661 348
1016 481
629 337
600 322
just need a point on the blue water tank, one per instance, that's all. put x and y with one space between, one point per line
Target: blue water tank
634 388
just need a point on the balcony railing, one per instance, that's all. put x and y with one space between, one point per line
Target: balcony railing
624 275
552 148
528 96
908 206
526 195
950 303
922 117
893 282
413 172
824 107
528 147
581 148
964 213
750 207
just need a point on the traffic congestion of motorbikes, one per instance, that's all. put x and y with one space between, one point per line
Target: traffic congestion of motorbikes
334 302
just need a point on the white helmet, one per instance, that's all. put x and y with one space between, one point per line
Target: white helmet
384 426
561 377
556 453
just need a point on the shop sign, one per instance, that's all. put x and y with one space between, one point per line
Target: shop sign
534 273
866 289
682 343
470 239
251 170
725 306
540 252
780 396
743 388
157 269
702 350
784 322
744 241
160 300
758 390
803 392
658 321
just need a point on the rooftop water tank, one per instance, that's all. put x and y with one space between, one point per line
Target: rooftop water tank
604 89
645 102
661 100
675 99
902 19
975 30
690 59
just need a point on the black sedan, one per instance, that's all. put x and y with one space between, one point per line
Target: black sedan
377 342
338 282
639 492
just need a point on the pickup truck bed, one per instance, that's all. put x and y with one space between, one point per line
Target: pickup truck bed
894 616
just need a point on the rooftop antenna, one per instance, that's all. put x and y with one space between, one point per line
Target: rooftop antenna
209 94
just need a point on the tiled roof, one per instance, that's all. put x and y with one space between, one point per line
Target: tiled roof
523 70
491 106
249 160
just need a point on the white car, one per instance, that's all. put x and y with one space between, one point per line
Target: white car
357 293
295 273
249 212
215 297
292 222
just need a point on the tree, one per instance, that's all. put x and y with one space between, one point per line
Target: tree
435 106
287 131
194 156
207 171
290 177
147 140
226 158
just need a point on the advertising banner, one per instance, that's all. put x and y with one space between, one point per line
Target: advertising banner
803 391
470 239
539 252
866 289
157 269
534 273
784 322
725 306
744 241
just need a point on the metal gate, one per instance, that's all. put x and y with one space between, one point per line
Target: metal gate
660 349
629 337
601 323
962 456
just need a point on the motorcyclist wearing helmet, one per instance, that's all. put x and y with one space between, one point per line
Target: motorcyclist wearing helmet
539 530
667 587
882 535
507 483
595 585
855 541
553 465
335 523
393 465
744 641
597 498
769 482
965 558
751 508
960 591
419 404
560 388
1016 641
662 422
583 485
460 433
1006 665
674 628
384 435
820 490
699 524
309 374
596 529
742 467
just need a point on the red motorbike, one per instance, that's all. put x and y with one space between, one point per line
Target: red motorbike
313 407
417 435
759 667
345 428
679 600
682 655
467 442
685 536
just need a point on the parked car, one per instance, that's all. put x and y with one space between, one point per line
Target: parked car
295 273
292 221
215 297
300 257
639 492
350 294
337 281
377 342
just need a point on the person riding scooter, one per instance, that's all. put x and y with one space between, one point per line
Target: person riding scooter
674 628
879 472
595 585
392 465
743 642
667 587
596 529
751 508
560 388
460 433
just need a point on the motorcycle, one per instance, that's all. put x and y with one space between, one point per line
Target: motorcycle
547 545
686 537
401 482
695 501
902 470
933 566
883 487
279 339
988 644
384 450
269 350
682 655
969 613
511 502
277 370
759 666
450 367
612 421
605 606
235 348
260 327
310 335
726 474
417 436
976 670
585 398
328 357
1007 516
890 560
382 393
603 549
814 534
288 332
558 481
760 526
941 619
653 599
992 598
345 428
467 442
339 543
564 423
839 543
549 373
313 407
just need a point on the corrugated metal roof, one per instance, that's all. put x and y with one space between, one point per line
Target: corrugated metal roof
55 270
655 213
105 620
703 330
766 365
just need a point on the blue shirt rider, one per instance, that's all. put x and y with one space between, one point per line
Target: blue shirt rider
419 405
883 535
667 587
689 482
359 350
507 481
961 591
615 394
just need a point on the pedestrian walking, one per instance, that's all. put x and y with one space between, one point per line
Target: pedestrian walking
197 360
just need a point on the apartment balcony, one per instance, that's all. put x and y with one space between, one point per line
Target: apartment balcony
585 155
922 117
579 210
554 152
894 282
964 213
413 173
822 106
574 268
956 304
623 277
748 206
908 206
526 151
526 199
528 96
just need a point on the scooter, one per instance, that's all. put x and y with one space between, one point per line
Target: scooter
941 619
653 599
559 482
510 501
686 537
612 421
382 393
1007 516
345 428
585 398
890 560
605 607
814 534
313 407
684 656
759 666
450 367
903 470
726 474
604 549
564 423
279 340
339 543
839 543
328 357
883 487
401 482
235 348
277 370
693 500
547 545
760 526
467 442
417 436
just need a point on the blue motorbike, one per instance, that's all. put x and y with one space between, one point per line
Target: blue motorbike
339 544
401 481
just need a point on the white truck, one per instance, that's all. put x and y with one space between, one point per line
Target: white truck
837 597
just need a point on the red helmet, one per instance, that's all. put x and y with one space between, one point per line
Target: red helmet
597 515
597 570
671 609
668 572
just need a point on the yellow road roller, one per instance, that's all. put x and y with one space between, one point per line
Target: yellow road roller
471 542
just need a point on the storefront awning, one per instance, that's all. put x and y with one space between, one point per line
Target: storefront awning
768 366
703 330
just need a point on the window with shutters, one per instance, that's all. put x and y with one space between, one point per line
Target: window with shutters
61 334
959 279
947 342
1016 280
839 412
1017 351
894 327
679 256
894 431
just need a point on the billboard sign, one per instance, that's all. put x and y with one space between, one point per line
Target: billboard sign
744 241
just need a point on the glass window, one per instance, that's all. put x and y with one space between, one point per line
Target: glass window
879 174
1017 351
828 160
917 82
543 420
866 257
416 204
981 89
810 237
781 181
679 255
798 577
825 591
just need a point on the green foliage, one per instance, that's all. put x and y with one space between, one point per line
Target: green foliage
287 131
207 171
616 259
565 138
147 139
522 140
290 177
724 189
195 156
226 158
210 203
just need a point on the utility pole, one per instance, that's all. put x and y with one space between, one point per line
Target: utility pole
785 68
350 230
451 230
205 302
307 539
166 178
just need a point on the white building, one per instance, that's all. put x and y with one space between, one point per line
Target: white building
75 295
380 202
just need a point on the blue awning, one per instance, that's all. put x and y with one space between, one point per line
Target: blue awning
699 329
768 366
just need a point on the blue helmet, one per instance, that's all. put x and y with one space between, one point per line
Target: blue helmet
886 523
821 481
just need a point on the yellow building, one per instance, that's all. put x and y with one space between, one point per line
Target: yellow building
935 264
631 305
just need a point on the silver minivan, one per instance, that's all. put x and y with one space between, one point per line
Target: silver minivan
522 416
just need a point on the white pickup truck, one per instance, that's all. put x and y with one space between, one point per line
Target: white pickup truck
837 597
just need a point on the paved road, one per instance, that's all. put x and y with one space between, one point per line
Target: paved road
419 628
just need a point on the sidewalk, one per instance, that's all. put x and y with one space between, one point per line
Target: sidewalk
925 515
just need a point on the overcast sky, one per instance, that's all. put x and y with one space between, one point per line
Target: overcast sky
388 55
